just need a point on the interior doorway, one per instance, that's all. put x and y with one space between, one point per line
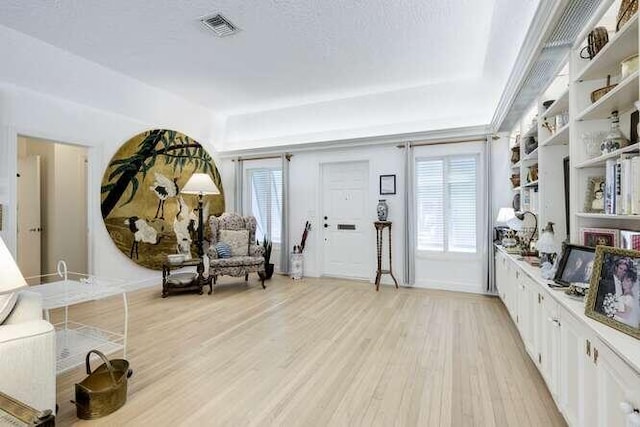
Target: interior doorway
346 228
52 206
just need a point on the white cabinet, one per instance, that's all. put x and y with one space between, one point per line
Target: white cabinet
617 384
548 326
588 380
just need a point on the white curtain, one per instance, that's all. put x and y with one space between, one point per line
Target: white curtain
489 251
409 217
239 175
284 245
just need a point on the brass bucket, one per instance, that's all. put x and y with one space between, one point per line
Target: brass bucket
104 390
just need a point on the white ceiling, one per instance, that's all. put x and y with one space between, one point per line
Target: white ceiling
289 52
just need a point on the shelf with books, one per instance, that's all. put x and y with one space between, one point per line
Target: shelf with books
561 137
620 98
621 45
601 160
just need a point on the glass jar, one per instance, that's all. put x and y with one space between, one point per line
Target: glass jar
614 139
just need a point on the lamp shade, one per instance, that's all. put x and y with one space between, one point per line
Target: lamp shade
200 183
10 276
515 223
504 215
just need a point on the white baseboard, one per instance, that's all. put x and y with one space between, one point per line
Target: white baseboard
473 288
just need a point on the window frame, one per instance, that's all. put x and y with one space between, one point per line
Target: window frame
445 253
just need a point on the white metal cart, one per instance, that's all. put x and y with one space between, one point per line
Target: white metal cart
73 339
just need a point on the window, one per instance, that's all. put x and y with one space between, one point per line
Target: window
266 201
446 204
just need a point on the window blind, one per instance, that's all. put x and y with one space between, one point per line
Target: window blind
446 204
266 202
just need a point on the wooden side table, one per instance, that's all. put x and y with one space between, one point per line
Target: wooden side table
184 281
380 227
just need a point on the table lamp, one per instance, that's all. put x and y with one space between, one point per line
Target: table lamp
517 223
504 215
11 278
200 184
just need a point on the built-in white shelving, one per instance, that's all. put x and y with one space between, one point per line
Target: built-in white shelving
606 216
561 137
620 98
561 104
621 45
601 160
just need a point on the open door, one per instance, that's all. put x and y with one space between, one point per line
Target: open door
29 224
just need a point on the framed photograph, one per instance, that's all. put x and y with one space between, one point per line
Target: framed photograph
594 199
613 297
387 184
576 265
630 239
599 236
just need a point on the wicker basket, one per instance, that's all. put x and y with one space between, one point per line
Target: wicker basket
104 390
628 8
596 40
599 93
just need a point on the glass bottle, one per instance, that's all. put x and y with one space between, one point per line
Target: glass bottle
614 139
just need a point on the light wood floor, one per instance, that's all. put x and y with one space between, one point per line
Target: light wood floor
320 352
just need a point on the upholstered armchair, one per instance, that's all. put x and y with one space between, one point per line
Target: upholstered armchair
28 354
240 234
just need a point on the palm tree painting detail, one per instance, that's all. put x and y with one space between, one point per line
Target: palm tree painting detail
144 174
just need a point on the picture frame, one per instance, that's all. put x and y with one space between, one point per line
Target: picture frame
576 264
593 237
594 198
614 289
387 184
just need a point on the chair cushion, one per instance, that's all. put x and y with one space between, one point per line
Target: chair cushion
223 250
236 261
237 239
7 302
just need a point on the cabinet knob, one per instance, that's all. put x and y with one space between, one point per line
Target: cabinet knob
633 417
595 355
588 348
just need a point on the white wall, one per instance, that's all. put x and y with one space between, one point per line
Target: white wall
305 195
49 93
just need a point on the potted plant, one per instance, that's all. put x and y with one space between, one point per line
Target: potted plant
268 267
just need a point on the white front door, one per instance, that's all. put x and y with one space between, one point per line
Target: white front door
29 225
347 229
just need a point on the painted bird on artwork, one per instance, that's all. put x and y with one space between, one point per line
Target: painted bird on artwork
164 189
142 232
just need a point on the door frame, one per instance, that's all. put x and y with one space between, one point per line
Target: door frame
94 154
367 202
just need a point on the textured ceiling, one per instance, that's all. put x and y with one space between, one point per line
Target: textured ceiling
288 52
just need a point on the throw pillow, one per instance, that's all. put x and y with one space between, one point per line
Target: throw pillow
223 250
237 239
7 302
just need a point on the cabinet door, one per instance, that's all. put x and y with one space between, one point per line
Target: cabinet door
526 314
549 342
572 361
617 384
500 273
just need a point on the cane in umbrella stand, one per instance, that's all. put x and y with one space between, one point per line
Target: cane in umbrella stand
380 227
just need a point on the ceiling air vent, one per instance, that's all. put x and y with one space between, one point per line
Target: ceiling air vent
219 25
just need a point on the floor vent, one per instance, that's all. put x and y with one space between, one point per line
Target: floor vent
219 25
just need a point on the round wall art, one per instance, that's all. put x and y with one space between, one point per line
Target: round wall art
143 209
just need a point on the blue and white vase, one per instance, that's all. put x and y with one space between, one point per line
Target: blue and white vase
383 210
